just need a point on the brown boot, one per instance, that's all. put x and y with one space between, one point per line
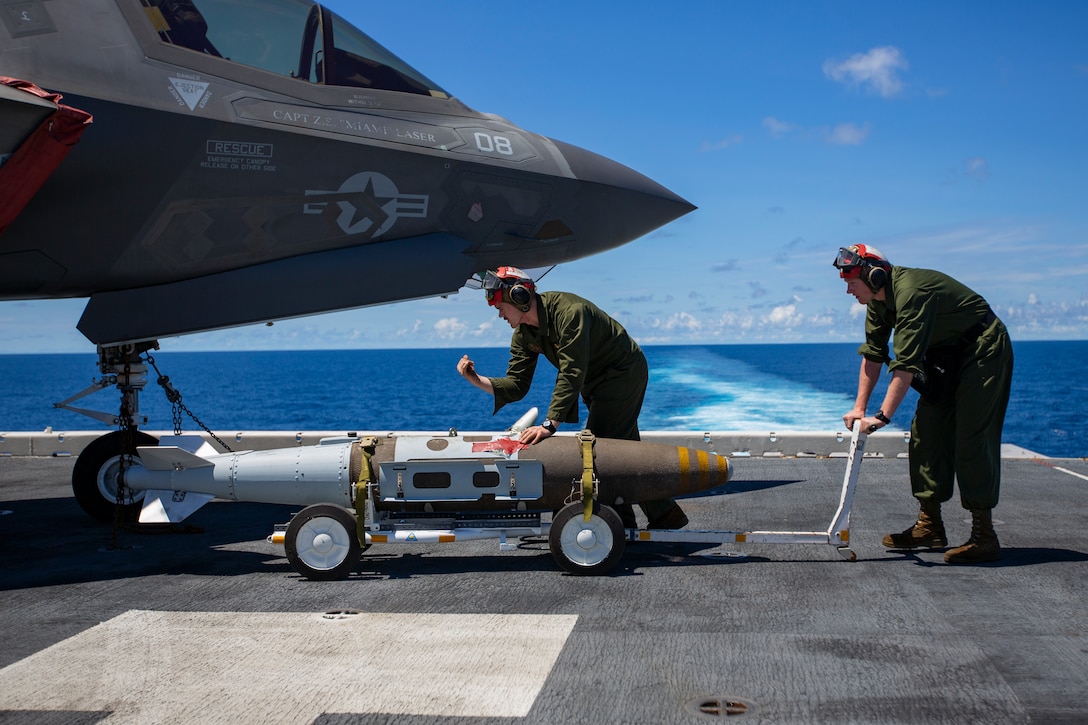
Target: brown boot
672 518
927 532
627 515
983 544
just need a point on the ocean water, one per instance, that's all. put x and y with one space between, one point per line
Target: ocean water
703 387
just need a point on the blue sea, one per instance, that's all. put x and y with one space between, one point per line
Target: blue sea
702 387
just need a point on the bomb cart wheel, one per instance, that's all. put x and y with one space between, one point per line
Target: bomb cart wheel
586 548
322 542
95 475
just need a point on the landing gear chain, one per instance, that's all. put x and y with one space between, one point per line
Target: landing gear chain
126 434
177 407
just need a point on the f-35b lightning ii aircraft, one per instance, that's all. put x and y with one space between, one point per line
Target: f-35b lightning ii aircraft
191 165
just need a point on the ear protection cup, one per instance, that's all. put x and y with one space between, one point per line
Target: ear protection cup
876 277
520 296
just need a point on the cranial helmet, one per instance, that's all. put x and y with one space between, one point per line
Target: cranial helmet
510 285
865 262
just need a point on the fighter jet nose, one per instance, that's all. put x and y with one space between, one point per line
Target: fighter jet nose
590 167
619 203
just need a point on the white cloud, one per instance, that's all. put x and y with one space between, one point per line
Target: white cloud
737 319
847 134
727 266
683 321
720 145
785 316
450 328
976 168
777 128
988 239
875 70
843 134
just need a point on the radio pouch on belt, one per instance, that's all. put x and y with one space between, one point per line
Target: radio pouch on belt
942 374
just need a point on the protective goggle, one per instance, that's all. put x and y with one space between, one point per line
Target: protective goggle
492 282
493 285
849 263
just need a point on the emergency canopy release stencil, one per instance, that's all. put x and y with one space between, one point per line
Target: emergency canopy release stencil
369 203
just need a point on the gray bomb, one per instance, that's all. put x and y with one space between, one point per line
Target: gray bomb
419 473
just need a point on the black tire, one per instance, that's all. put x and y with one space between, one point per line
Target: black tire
322 542
587 548
94 477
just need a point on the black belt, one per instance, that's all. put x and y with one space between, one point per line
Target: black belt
976 330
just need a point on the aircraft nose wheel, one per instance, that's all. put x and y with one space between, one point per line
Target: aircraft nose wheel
322 542
95 474
586 548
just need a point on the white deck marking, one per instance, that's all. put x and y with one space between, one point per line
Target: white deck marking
1059 468
246 667
1071 473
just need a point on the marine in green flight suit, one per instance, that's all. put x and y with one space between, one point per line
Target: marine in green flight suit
595 358
950 345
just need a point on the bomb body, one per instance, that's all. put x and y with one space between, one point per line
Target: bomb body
420 473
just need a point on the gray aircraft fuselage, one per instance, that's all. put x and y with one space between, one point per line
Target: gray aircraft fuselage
253 161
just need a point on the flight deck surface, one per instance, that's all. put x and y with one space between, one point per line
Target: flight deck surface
209 623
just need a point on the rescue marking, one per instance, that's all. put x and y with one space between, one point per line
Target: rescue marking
238 156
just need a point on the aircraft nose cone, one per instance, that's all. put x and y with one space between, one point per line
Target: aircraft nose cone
618 204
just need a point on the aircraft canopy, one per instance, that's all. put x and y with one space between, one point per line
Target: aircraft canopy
292 37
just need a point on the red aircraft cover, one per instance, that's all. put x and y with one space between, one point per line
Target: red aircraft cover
40 154
506 445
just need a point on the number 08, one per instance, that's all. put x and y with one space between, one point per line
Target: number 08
494 144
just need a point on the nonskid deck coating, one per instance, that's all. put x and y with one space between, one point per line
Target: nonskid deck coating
792 630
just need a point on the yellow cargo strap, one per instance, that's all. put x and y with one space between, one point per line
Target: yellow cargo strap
587 438
362 488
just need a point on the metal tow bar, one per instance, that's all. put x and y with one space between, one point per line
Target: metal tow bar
837 533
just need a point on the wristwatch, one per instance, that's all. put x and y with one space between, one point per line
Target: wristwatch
548 426
882 418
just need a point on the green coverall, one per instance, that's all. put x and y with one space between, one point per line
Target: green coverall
596 359
959 437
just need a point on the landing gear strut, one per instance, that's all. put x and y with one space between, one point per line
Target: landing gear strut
98 476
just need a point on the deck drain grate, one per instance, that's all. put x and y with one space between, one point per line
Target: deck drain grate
721 706
340 614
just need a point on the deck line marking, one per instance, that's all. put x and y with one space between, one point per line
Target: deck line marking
145 666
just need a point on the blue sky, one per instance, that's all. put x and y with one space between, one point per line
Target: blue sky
948 135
